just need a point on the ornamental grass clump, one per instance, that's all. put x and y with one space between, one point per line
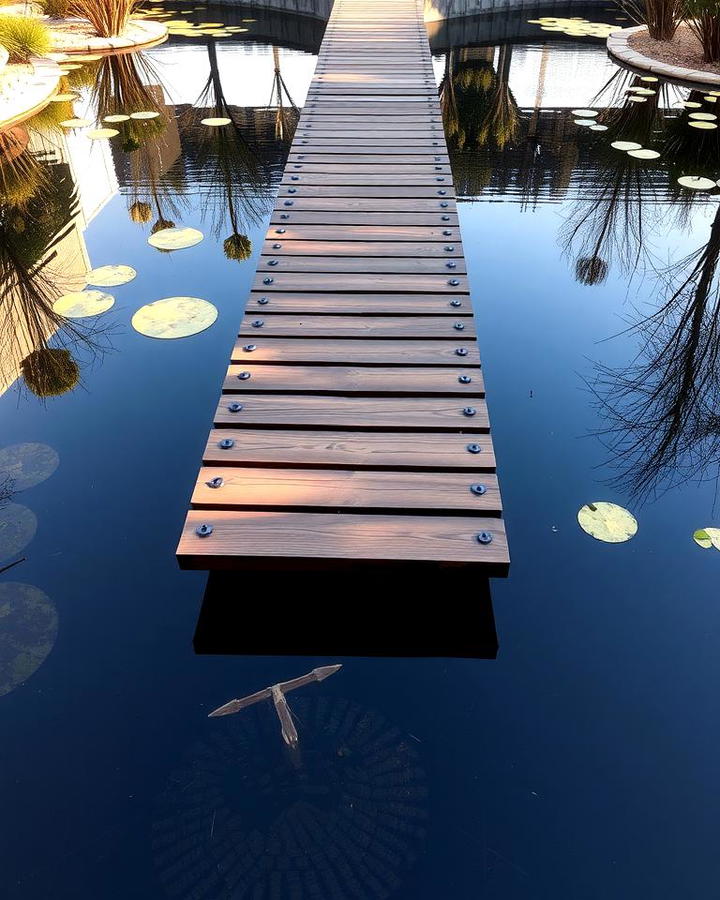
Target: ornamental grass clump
703 19
109 18
24 37
662 17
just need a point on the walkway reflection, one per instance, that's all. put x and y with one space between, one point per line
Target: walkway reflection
362 622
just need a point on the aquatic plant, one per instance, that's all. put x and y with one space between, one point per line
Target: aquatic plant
24 37
238 247
50 372
703 19
662 17
109 18
140 212
591 270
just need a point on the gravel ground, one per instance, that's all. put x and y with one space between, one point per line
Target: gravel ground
683 50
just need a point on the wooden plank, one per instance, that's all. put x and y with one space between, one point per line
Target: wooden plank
359 304
357 352
364 164
442 206
366 380
312 489
281 247
377 450
342 327
347 235
375 190
380 282
353 412
282 265
260 536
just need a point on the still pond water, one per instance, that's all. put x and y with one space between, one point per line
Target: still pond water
582 762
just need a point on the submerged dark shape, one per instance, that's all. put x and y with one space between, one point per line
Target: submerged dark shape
591 270
50 372
237 246
277 692
664 409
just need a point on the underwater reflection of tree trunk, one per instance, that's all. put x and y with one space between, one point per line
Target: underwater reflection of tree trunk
665 408
287 114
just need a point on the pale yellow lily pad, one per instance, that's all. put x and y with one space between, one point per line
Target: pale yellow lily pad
216 122
175 238
102 134
76 123
110 276
29 631
63 98
644 154
703 126
703 117
584 113
696 182
25 465
702 538
626 145
145 114
598 127
174 317
117 117
81 304
607 522
586 122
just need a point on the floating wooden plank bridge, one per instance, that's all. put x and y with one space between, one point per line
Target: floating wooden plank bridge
352 425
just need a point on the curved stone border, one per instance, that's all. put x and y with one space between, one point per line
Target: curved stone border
39 90
618 45
137 35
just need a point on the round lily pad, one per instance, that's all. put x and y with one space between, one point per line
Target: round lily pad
216 122
145 114
28 631
648 78
111 276
703 117
80 304
584 121
584 113
101 134
607 522
174 317
26 465
598 127
175 238
634 98
644 154
18 525
63 98
703 126
76 123
689 104
118 117
646 92
696 182
626 145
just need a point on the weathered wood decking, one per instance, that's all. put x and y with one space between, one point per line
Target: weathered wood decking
352 424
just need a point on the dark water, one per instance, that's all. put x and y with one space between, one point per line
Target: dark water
582 762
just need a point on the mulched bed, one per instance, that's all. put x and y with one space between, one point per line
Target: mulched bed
683 50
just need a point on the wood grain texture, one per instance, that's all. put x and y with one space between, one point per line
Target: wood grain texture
366 380
359 304
378 450
269 536
360 352
357 327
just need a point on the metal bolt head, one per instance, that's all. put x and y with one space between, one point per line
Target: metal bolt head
244 376
248 348
461 351
456 303
277 246
484 537
288 202
280 230
459 326
453 282
285 215
464 379
226 443
268 280
292 190
295 178
235 407
469 411
474 448
257 323
204 530
450 265
272 262
446 219
442 193
444 205
478 489
449 248
215 482
263 301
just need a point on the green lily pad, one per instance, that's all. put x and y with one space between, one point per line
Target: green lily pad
28 631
